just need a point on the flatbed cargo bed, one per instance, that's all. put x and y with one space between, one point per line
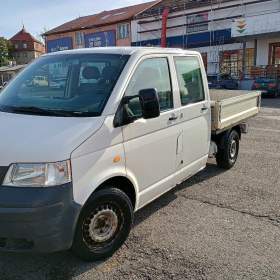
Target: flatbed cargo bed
232 107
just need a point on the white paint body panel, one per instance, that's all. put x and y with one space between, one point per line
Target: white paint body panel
231 108
26 138
154 155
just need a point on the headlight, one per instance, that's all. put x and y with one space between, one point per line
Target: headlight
38 174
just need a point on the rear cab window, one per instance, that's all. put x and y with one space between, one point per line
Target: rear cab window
190 80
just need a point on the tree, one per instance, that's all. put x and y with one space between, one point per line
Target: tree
4 51
41 36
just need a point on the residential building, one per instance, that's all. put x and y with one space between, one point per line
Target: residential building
25 47
8 72
108 28
237 38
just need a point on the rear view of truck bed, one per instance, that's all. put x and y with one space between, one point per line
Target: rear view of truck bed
231 107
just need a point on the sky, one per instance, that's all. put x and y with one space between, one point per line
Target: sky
39 15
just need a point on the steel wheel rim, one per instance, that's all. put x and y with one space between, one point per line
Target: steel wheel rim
101 226
233 149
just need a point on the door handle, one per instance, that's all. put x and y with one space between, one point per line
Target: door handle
173 118
203 109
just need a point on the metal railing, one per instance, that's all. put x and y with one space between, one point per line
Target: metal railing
262 71
251 72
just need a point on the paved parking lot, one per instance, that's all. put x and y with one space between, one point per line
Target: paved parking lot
218 225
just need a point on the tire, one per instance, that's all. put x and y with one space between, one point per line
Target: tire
104 225
228 150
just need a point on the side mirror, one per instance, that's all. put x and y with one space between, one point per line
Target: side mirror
149 103
150 108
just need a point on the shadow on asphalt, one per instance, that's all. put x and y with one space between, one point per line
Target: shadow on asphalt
210 171
63 265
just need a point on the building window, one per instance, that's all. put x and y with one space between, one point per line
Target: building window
274 53
249 59
24 45
16 46
231 63
196 23
123 30
79 39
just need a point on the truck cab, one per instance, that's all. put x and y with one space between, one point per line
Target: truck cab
77 161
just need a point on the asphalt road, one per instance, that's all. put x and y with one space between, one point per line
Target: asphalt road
217 225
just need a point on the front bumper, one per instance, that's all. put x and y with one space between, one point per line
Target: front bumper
37 219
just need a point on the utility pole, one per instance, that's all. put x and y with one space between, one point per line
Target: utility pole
244 44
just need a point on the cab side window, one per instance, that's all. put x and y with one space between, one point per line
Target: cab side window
151 73
189 79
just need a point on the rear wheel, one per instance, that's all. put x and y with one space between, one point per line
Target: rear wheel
228 150
104 225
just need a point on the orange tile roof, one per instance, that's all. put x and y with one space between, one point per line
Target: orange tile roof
24 36
103 18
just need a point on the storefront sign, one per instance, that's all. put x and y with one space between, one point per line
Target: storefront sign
61 44
100 39
255 25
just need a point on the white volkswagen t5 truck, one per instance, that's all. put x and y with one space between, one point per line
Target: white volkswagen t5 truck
109 130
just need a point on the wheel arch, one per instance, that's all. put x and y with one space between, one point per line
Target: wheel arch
238 129
219 139
122 183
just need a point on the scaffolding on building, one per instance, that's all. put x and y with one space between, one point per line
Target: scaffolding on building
221 59
155 15
177 6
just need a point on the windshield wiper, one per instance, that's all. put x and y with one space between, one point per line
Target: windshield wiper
33 110
38 111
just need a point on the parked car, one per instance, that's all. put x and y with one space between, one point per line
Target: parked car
222 82
40 81
228 82
213 82
80 160
57 84
268 87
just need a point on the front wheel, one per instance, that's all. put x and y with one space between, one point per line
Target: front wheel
228 150
104 225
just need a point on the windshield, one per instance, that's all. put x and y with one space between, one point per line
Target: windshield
64 85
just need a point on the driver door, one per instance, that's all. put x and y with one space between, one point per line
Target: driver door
150 144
